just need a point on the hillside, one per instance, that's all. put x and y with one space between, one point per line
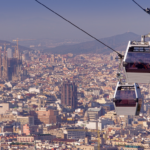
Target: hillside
117 42
21 48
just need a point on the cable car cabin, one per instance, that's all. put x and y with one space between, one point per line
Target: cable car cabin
127 99
136 62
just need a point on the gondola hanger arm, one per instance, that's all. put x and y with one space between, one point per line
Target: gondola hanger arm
145 36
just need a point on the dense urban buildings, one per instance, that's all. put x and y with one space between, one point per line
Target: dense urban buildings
65 102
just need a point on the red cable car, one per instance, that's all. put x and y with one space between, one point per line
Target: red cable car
136 62
127 99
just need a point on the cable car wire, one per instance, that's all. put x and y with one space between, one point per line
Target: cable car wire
120 55
138 5
147 11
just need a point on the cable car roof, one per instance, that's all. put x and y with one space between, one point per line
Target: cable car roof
127 85
141 44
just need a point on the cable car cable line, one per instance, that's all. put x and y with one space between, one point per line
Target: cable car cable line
120 55
138 5
146 10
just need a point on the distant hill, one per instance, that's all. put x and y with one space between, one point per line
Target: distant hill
21 48
117 42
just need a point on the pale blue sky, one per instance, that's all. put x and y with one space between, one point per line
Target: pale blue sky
101 18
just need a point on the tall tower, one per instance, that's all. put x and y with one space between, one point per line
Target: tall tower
18 62
69 94
0 62
5 65
16 69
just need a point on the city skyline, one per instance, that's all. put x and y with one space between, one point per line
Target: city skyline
63 90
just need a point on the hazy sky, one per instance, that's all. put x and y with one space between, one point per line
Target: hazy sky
101 18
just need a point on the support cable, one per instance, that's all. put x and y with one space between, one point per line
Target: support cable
120 55
146 10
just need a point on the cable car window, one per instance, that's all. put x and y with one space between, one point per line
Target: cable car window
138 62
125 93
139 49
125 97
125 103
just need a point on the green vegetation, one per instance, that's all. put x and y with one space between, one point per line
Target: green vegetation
17 143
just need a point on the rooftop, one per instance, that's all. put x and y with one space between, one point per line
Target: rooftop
94 109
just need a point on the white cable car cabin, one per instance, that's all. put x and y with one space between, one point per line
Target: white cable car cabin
136 62
127 99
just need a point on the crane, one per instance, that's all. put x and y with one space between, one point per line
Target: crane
17 40
5 44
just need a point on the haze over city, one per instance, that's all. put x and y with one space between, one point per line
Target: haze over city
62 90
27 19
